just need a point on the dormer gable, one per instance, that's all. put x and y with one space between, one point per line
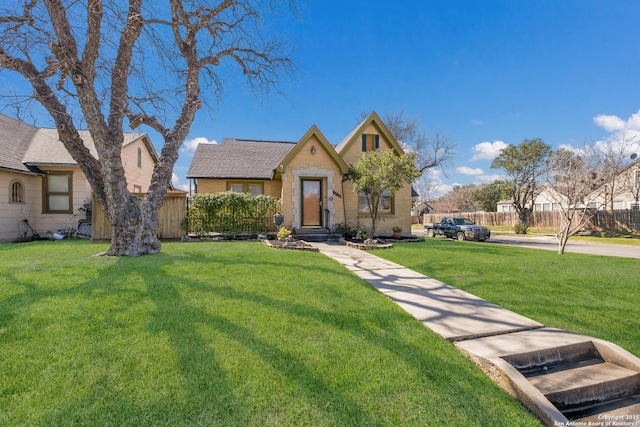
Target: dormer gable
314 143
370 134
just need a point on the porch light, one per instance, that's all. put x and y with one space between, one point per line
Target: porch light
313 149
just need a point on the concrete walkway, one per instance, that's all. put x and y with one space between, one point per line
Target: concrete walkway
488 334
451 313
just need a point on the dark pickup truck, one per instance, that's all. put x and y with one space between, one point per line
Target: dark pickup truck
458 228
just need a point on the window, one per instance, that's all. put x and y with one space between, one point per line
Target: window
255 189
385 204
137 189
246 187
139 157
16 192
56 192
370 142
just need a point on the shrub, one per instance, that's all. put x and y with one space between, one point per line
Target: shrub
346 231
232 214
521 228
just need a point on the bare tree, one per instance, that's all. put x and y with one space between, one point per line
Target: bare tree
432 151
428 187
575 182
97 63
615 159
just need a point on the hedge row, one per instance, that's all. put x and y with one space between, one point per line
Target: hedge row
232 214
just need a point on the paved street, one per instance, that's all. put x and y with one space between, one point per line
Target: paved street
550 243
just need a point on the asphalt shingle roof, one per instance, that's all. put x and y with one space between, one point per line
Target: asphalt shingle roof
23 146
14 141
238 159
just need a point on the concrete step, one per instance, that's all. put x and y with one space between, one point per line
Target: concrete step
585 385
625 410
315 235
545 361
582 380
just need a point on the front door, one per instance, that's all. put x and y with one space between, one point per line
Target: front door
312 203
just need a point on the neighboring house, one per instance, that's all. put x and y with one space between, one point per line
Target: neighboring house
626 195
40 181
308 176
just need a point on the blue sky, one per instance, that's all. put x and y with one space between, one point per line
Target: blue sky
486 73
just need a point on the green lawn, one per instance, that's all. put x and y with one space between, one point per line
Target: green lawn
222 334
594 295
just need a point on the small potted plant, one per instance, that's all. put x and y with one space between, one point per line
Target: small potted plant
397 232
283 233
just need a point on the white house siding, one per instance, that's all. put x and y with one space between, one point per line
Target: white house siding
137 175
12 215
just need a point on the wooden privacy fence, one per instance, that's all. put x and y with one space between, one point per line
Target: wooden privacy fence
619 220
171 214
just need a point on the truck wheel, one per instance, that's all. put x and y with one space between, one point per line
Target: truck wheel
431 233
460 235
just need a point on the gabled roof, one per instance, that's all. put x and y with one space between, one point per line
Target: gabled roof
377 122
14 142
238 159
46 149
314 131
24 147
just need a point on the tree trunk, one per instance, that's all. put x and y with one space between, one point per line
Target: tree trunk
563 237
134 229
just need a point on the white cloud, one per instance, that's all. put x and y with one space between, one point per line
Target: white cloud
191 144
178 184
609 123
488 150
616 124
476 122
576 150
466 170
624 135
488 179
634 122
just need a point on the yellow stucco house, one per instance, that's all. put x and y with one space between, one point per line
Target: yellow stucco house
40 181
308 176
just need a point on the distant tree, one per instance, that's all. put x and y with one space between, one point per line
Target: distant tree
487 196
575 181
379 174
427 186
615 159
463 194
458 199
101 63
524 165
